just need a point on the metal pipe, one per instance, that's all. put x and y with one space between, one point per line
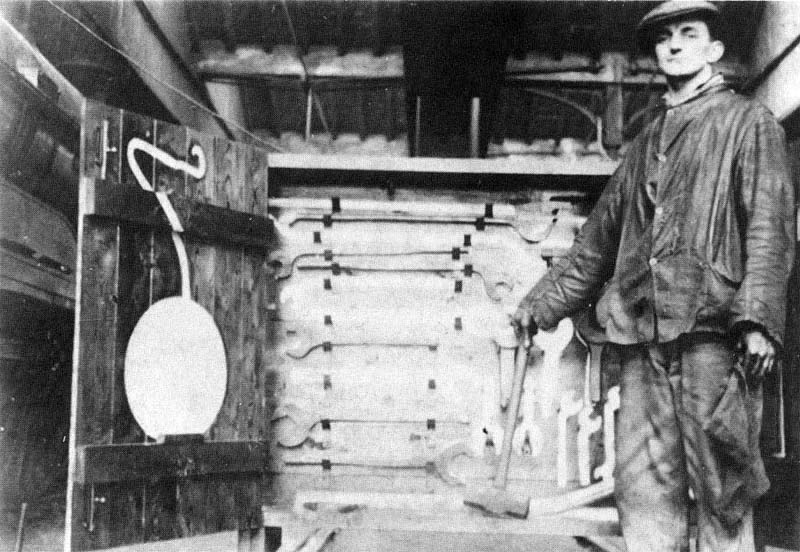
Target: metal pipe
417 125
320 111
39 144
306 78
309 105
21 528
475 128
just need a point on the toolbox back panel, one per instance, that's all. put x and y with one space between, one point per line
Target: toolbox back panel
394 351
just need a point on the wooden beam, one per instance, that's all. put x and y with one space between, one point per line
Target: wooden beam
13 43
201 220
93 393
97 464
130 26
642 72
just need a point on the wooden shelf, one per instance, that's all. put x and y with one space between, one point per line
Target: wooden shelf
463 520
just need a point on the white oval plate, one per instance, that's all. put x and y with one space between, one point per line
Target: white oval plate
175 369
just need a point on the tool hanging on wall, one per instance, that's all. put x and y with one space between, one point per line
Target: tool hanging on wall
327 346
290 242
532 230
300 299
393 326
285 270
416 208
552 344
605 471
468 270
176 342
531 227
294 426
589 422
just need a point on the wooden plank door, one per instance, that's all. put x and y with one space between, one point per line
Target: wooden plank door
124 488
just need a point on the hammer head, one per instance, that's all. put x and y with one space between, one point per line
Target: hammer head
498 502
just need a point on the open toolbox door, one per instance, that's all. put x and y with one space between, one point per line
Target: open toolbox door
126 486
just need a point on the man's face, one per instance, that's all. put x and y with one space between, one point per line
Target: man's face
684 48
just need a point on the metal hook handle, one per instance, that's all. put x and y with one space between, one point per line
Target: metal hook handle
137 144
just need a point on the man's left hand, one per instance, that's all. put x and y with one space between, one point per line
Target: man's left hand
756 353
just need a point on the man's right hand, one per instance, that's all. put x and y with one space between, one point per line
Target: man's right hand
524 325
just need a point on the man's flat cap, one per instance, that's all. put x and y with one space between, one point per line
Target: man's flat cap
667 11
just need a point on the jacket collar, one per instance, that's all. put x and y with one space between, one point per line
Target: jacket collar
670 100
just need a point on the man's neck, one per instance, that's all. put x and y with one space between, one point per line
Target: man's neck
678 89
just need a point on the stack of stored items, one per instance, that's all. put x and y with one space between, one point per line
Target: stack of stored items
320 61
378 145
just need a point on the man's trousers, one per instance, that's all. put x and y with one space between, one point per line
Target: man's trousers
670 438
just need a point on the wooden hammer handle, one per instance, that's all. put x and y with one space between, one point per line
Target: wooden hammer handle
511 419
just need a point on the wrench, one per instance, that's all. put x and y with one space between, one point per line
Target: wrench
606 469
552 343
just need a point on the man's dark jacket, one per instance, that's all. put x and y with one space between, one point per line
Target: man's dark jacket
695 231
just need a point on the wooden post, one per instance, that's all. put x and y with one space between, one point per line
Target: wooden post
614 116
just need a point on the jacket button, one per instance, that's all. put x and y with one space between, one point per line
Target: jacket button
661 157
659 211
653 261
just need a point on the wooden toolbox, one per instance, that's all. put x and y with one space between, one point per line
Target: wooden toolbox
364 309
395 352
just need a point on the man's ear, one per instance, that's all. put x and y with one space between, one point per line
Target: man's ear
716 51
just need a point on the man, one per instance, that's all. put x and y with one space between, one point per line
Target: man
689 248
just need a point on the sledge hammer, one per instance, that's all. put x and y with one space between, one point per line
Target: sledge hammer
496 500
